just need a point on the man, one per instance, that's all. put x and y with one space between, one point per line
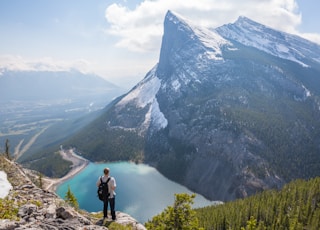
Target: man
111 200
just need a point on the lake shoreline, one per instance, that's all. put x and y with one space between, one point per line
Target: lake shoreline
137 187
78 164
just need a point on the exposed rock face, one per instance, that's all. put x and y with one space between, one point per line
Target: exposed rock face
228 112
41 209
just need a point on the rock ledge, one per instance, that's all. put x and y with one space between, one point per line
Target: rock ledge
42 209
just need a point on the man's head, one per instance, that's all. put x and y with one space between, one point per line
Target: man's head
106 171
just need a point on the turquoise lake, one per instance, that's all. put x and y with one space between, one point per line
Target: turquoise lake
142 191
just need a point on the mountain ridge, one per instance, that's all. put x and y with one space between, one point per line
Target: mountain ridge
51 85
251 33
224 118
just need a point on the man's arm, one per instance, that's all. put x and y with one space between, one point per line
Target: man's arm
113 184
98 182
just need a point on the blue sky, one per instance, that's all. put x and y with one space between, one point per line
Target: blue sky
120 40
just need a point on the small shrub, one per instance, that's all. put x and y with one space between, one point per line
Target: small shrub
8 210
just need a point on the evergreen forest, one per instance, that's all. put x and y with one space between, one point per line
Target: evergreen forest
295 206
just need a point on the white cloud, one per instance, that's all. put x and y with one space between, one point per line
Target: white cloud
18 63
111 70
140 29
310 36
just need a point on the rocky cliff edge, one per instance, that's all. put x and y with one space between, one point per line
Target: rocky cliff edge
36 208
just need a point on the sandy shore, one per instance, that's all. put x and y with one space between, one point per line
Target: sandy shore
78 164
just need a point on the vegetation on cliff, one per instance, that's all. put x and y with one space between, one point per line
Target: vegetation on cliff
296 206
178 216
28 206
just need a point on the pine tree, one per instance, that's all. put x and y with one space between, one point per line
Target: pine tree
180 216
251 224
7 149
71 199
40 181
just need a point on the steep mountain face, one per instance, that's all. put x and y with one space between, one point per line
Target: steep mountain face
226 112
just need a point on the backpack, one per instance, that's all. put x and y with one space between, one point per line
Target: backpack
103 190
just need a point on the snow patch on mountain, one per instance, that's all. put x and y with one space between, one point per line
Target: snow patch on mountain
306 92
158 118
5 185
155 117
209 38
145 94
255 35
176 85
212 41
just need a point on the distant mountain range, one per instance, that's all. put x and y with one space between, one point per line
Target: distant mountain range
227 112
54 86
39 108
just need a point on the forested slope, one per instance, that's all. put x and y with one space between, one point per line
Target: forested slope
296 206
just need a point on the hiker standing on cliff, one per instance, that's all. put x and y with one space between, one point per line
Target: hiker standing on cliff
111 199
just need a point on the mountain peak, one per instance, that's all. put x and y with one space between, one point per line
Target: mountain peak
180 32
174 17
245 20
222 112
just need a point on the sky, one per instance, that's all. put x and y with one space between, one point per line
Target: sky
120 40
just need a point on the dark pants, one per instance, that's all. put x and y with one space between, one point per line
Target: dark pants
111 201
